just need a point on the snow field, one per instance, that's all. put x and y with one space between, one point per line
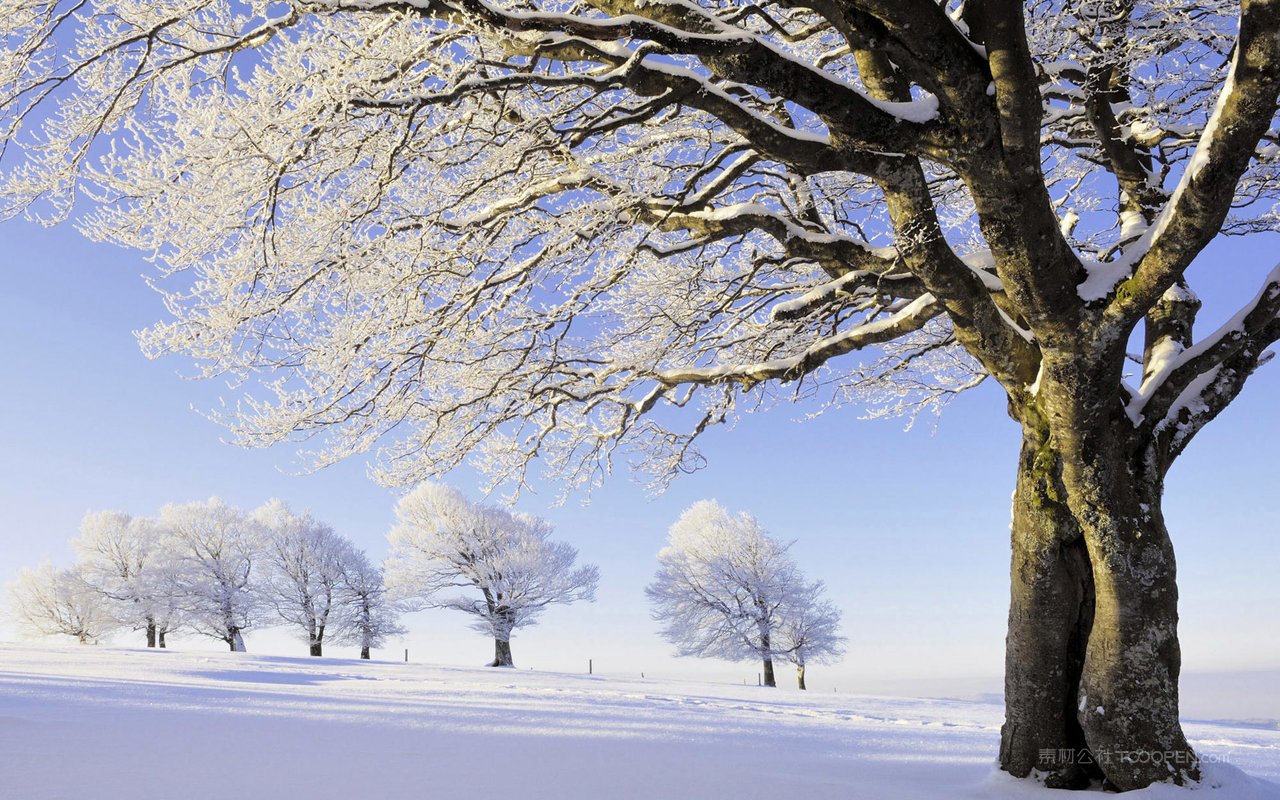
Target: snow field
92 723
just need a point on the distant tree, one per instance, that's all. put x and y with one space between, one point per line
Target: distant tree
46 601
303 560
721 587
809 630
368 615
122 558
214 549
441 541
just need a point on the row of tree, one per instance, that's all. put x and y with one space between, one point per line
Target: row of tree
724 587
212 569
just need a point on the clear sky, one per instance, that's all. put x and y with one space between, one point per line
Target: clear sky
908 528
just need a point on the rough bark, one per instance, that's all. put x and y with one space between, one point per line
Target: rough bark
769 679
800 676
235 640
160 636
1092 658
502 653
317 648
151 633
364 652
1128 705
1050 615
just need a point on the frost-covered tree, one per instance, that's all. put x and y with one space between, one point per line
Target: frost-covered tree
45 601
722 586
533 228
215 553
809 629
303 562
369 616
122 557
506 564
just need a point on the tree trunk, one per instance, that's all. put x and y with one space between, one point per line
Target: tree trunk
317 648
769 680
1129 688
1050 615
160 636
151 633
364 652
236 641
1092 657
800 676
502 653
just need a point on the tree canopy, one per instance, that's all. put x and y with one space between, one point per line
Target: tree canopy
518 229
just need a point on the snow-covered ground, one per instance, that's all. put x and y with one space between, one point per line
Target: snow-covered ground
86 723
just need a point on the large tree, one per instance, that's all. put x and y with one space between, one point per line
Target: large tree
304 561
723 586
526 228
215 552
47 601
122 557
369 616
506 569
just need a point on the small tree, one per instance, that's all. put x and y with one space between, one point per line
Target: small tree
368 617
46 602
304 565
809 629
721 587
120 557
213 550
442 541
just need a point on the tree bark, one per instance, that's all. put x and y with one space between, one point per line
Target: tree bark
502 653
235 640
151 633
1050 615
317 648
1128 704
769 679
364 653
800 676
1092 656
160 636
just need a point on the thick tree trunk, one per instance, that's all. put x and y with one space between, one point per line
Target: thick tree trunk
502 653
364 652
317 648
151 633
769 679
800 676
160 635
1092 654
1128 703
1050 615
235 640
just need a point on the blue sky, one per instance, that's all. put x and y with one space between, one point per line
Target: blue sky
908 528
